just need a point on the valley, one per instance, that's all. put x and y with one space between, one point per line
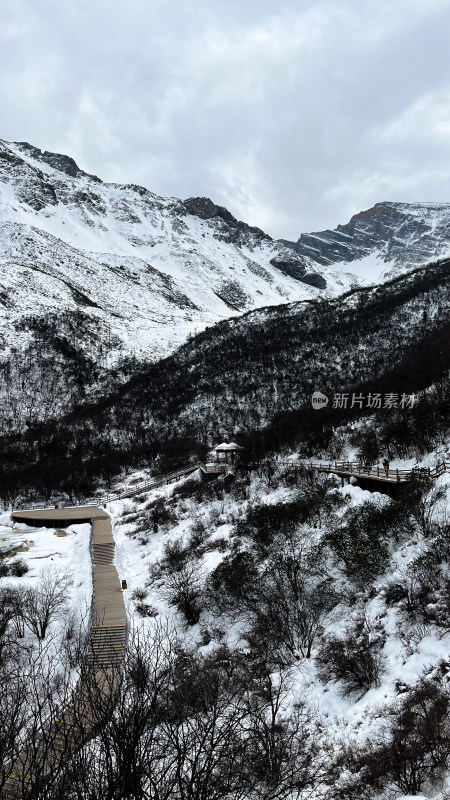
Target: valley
286 614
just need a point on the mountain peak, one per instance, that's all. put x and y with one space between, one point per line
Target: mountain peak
379 209
58 161
205 208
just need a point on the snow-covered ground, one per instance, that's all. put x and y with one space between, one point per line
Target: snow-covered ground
408 651
48 551
345 717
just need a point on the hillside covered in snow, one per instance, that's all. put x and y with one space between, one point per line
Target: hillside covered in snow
97 279
144 271
288 636
251 377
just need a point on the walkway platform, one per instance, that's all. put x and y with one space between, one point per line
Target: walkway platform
107 639
108 609
354 469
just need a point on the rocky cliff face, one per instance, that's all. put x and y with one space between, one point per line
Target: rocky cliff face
400 236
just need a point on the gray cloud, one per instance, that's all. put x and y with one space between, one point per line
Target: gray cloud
293 115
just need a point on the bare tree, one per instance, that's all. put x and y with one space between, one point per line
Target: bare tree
124 707
283 750
34 742
289 602
7 613
14 714
46 602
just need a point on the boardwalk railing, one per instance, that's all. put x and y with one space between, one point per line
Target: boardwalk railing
215 469
344 468
376 472
143 486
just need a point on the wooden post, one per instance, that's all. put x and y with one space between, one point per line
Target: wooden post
397 477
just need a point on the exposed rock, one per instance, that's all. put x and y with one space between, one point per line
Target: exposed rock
314 279
204 208
58 161
61 162
296 268
232 293
404 235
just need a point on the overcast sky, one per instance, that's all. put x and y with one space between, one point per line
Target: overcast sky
294 115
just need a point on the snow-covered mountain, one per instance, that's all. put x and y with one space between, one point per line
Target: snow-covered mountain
381 242
96 277
144 271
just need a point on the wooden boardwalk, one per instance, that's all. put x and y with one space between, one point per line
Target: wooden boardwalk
108 610
143 486
356 469
107 638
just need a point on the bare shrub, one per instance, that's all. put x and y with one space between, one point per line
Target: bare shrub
412 748
198 533
10 565
424 502
234 580
183 588
158 516
355 658
291 599
282 747
139 594
175 555
143 609
422 590
360 541
18 567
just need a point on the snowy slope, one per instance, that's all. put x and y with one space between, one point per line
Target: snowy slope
346 720
145 271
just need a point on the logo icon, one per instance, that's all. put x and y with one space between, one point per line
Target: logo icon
319 400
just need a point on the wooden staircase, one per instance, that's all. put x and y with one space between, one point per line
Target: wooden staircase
107 646
104 659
